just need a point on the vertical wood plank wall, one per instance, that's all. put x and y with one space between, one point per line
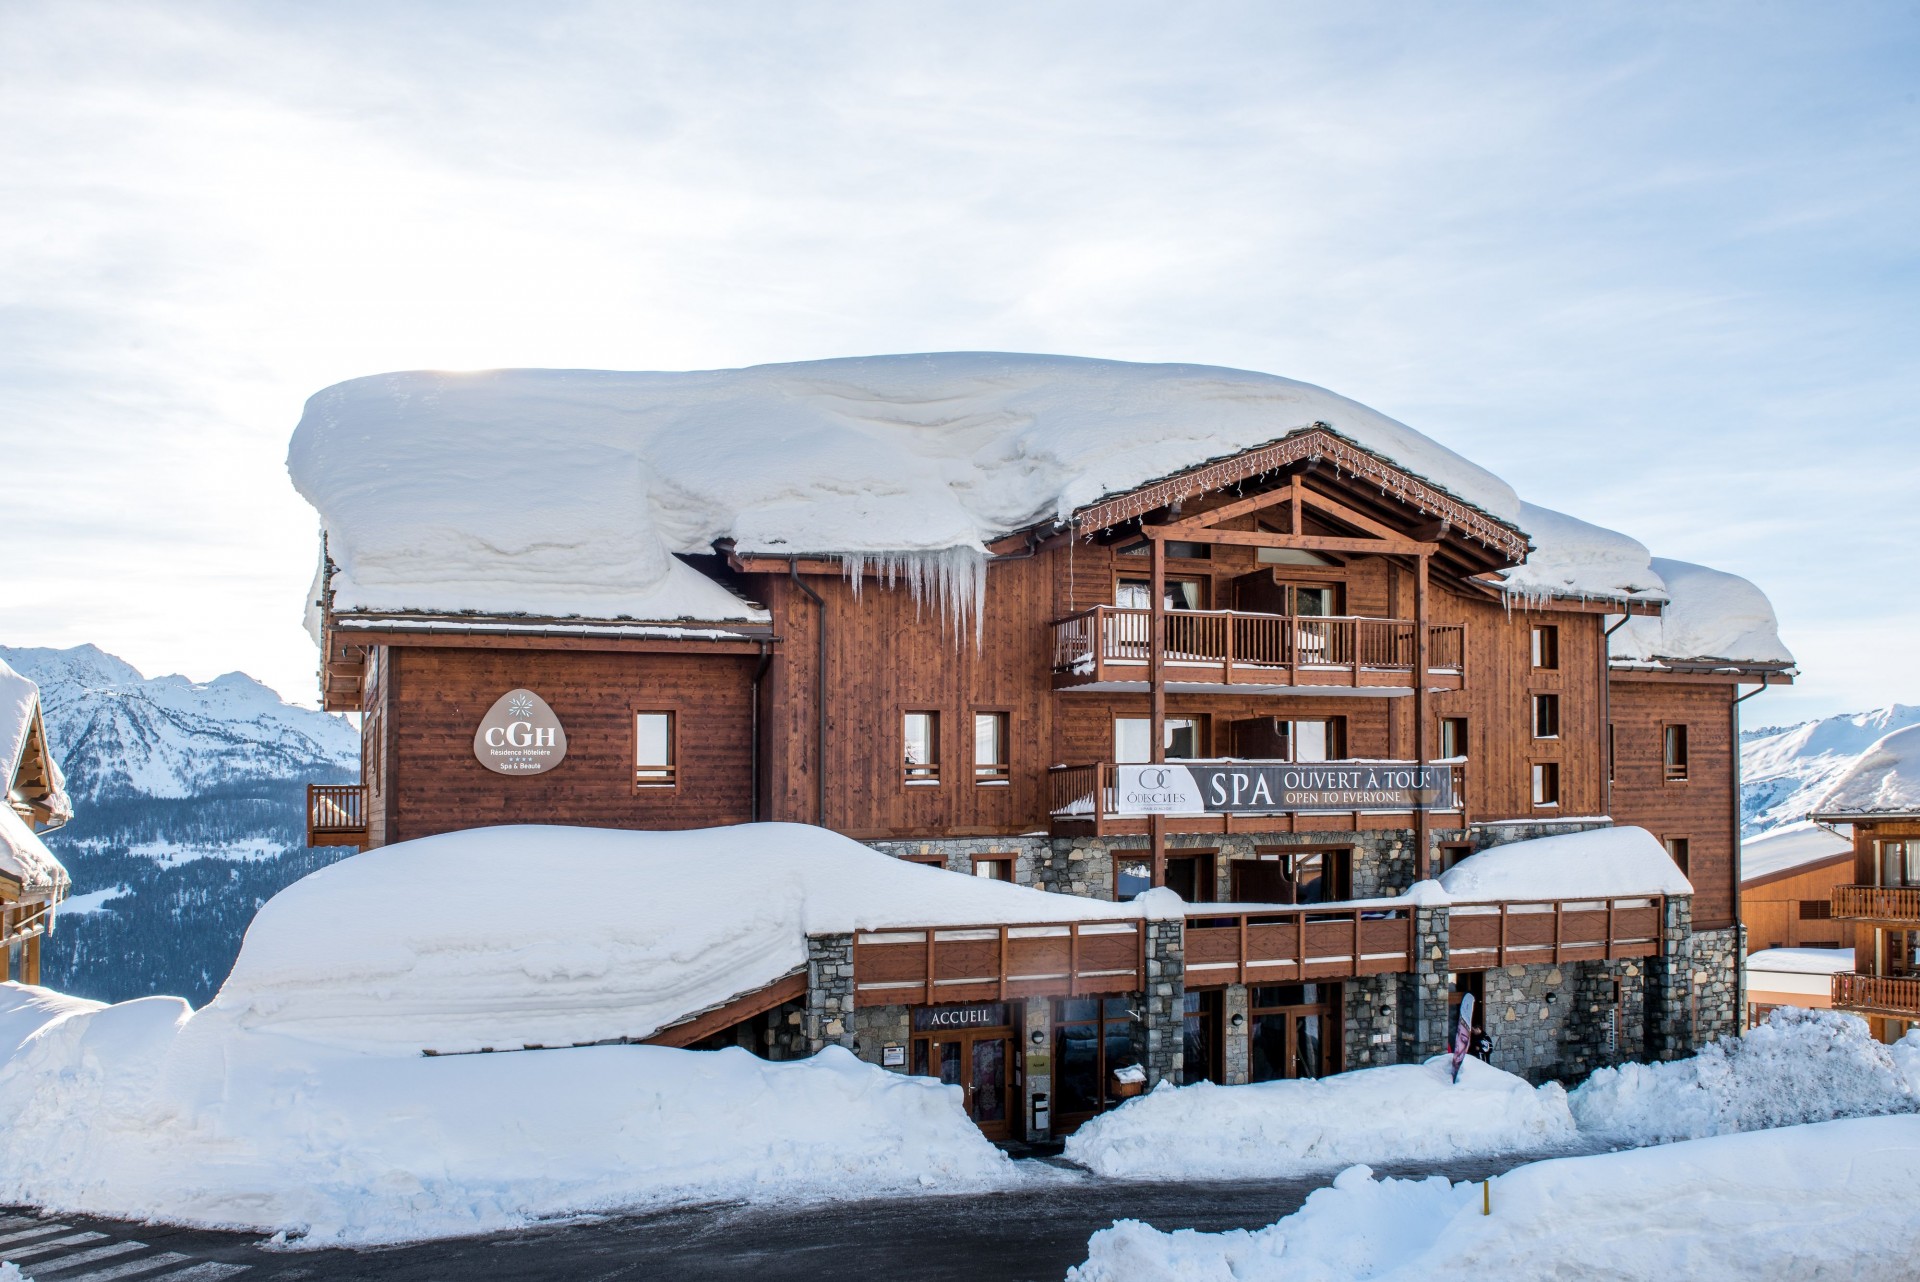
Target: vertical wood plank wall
1700 808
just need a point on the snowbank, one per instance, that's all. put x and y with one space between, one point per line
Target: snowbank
1572 558
146 1110
1596 864
1799 1066
1885 777
567 492
1409 1112
1833 1200
1710 614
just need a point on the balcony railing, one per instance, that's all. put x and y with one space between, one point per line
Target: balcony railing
1085 795
994 963
336 814
1109 644
1877 903
1296 946
1897 995
1543 932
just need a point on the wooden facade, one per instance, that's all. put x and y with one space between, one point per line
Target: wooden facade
1881 905
1797 907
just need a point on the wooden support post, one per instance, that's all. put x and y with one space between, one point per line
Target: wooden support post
1422 860
30 960
1156 680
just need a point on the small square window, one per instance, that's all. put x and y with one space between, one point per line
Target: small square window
990 755
921 757
1674 752
1451 853
1132 877
1678 851
993 868
1546 783
1546 716
1453 738
1816 910
1546 646
653 755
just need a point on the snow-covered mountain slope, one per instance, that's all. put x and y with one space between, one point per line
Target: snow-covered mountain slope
1785 770
119 734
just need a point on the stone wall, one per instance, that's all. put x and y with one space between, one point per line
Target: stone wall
1717 965
1605 1030
829 1014
1166 1001
876 1027
1371 1027
1422 1015
1670 1004
1030 855
1531 1012
1501 832
1238 1049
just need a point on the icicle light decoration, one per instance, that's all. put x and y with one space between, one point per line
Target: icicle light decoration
954 579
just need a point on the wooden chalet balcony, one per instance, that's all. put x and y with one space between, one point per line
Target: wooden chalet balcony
1877 903
1080 802
1107 648
996 963
23 921
1294 946
1897 995
1555 931
336 814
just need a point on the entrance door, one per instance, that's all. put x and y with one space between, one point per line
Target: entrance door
979 1063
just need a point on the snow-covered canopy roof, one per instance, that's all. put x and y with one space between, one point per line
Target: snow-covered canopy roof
568 492
22 730
1597 864
1572 559
608 934
1883 781
1711 617
25 859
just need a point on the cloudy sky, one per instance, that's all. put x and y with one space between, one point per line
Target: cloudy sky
1658 269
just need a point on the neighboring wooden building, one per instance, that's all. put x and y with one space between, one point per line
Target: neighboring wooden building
1792 906
32 881
1308 601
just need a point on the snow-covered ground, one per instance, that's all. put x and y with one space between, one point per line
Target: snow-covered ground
1832 1200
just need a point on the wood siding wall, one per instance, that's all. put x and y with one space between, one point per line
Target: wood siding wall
1771 910
1700 808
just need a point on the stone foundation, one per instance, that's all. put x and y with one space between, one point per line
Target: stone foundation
829 1012
1165 998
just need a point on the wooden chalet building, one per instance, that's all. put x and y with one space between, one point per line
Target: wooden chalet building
32 881
1359 658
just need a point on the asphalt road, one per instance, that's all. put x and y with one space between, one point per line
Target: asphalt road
1035 1233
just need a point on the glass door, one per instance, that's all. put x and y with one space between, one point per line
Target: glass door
980 1064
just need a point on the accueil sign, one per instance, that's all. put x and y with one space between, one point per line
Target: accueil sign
520 735
1200 788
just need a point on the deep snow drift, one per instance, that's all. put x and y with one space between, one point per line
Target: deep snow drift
145 1110
1408 1112
1596 864
1830 1200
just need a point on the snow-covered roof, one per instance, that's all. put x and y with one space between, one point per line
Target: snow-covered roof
1572 559
25 858
1801 961
1789 848
1597 864
19 715
568 492
606 934
1711 616
1883 780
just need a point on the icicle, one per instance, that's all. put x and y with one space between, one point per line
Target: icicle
954 579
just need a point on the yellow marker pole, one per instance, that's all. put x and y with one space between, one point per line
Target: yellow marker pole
1486 1197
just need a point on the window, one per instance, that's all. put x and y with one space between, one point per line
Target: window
1181 594
1546 716
1674 752
1292 1031
1899 863
1176 550
1452 852
1453 738
1816 910
1291 556
921 735
1191 877
1133 739
1092 1036
1546 783
993 867
1132 877
1678 850
1275 739
1286 876
1314 600
653 756
930 860
1546 647
990 759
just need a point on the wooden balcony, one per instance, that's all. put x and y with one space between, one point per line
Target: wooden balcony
997 963
1877 903
1080 802
1553 932
1295 946
336 814
1106 648
1898 996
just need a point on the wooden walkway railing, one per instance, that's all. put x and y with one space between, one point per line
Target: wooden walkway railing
1877 903
925 967
1292 946
1537 932
1877 994
1228 647
336 814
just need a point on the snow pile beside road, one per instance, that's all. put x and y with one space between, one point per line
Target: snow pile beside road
146 1110
1407 1112
1799 1066
1829 1200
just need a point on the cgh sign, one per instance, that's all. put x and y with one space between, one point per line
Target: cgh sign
1254 788
520 735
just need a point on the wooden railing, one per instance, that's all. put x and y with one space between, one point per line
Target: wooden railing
1877 903
1114 643
923 967
1894 995
336 814
1553 931
21 922
1292 946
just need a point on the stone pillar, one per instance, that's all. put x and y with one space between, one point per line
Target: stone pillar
829 1019
1371 1035
1038 1063
1166 1000
1670 998
1422 999
1235 1002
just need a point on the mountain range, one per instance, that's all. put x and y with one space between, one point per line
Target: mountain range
1786 770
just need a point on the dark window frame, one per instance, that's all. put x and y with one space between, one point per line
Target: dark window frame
1675 767
1548 771
921 774
1544 647
998 774
663 776
1544 706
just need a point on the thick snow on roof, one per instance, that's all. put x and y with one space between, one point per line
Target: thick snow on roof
1801 961
1886 777
566 492
1572 558
554 936
24 857
1710 615
1596 864
1788 847
19 703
